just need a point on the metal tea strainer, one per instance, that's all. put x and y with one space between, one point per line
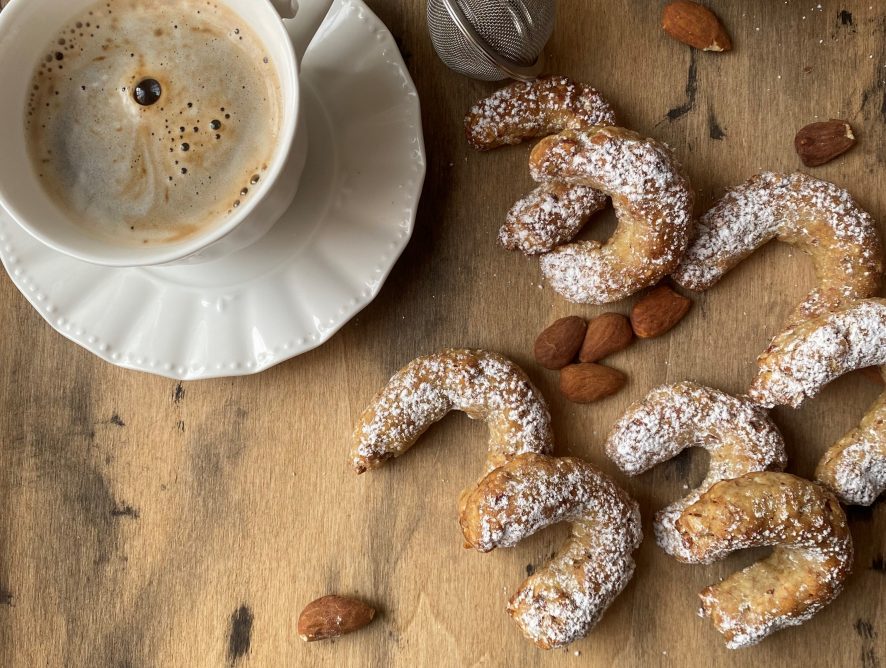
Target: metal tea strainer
491 39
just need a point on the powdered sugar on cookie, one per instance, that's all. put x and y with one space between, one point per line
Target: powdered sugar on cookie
484 385
550 215
806 570
524 110
566 597
652 199
856 469
799 362
738 435
816 216
555 212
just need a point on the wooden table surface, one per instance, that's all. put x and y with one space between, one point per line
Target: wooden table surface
145 522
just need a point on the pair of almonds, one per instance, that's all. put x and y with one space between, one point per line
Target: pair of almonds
333 616
696 25
560 343
557 346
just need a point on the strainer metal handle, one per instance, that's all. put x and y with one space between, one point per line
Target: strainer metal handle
490 55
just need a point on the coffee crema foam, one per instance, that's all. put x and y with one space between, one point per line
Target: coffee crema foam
135 171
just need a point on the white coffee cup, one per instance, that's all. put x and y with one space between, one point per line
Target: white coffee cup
27 26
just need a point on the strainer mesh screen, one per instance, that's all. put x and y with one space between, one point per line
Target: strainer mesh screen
516 29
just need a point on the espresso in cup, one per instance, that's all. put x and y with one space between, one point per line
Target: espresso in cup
149 122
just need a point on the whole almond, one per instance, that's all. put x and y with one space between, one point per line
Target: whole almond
333 616
557 345
607 334
695 25
658 312
818 143
585 383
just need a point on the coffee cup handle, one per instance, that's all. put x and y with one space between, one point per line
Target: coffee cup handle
302 19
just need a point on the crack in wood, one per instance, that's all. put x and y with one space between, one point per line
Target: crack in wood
714 130
691 90
865 630
125 510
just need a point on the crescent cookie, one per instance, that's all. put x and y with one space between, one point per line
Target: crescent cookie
738 435
811 558
854 468
802 360
652 199
815 216
554 212
485 385
537 108
799 362
565 598
550 215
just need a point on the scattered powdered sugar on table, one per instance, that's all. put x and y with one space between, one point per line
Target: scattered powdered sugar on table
562 600
652 199
799 362
806 571
816 216
484 385
739 436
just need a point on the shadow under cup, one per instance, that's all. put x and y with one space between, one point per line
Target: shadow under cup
27 28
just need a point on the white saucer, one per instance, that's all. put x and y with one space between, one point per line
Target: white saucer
323 261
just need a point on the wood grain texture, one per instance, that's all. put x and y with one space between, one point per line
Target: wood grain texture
149 523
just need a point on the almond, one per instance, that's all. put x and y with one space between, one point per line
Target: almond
821 142
557 345
585 383
607 334
333 616
695 25
658 312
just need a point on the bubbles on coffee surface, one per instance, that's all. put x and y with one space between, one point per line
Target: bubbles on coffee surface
148 122
147 92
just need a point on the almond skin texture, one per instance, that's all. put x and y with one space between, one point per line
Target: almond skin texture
818 143
333 616
658 312
695 25
557 345
607 334
585 383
